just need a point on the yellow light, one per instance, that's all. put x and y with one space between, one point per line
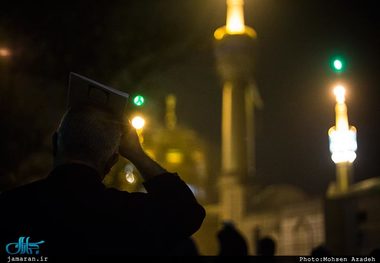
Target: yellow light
235 22
235 17
138 122
4 52
340 92
219 33
174 156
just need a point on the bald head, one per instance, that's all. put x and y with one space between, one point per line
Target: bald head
88 134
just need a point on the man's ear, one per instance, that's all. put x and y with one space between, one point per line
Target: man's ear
54 140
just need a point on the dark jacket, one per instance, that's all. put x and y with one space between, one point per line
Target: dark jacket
74 213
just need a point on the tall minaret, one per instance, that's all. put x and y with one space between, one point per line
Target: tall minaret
235 52
170 116
342 143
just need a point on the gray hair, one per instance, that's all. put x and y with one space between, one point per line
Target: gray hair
88 134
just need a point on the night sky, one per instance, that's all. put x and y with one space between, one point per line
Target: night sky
166 46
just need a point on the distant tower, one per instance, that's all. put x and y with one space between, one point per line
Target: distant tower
235 52
342 144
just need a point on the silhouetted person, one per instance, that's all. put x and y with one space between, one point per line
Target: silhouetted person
231 241
320 251
75 214
266 246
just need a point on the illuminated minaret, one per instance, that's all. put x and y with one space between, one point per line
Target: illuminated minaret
342 143
235 51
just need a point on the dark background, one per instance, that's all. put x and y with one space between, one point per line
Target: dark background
156 47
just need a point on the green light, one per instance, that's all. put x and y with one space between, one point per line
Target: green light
138 100
337 64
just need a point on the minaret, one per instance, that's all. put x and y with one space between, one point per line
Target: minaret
170 116
342 143
235 51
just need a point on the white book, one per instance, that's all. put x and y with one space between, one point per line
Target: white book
85 91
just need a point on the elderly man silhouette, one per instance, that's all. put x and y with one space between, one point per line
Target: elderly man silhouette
75 214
